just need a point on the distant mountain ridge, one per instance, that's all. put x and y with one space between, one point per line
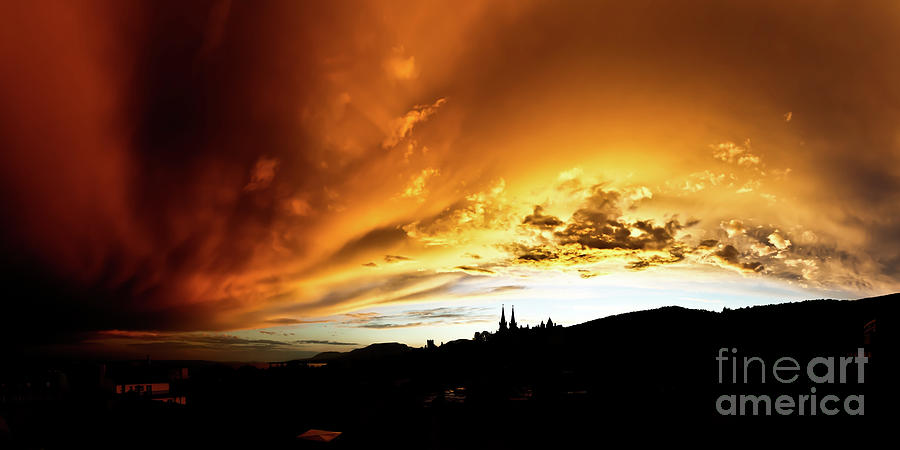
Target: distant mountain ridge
807 322
371 351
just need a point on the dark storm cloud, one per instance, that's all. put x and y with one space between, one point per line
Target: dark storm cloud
538 219
152 155
612 234
523 252
146 148
708 243
753 266
474 269
376 239
391 288
655 260
830 64
729 255
598 225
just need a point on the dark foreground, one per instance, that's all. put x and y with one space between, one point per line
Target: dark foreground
649 375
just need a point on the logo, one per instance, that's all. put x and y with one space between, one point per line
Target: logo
821 371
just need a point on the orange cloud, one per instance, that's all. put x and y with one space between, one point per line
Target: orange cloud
228 166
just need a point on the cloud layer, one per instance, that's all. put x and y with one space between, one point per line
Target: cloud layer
225 165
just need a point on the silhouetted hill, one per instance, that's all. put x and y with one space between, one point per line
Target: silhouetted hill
377 351
808 324
370 352
646 375
325 356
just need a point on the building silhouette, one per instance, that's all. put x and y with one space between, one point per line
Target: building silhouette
512 327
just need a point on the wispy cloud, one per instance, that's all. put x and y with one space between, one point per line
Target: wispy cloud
403 126
450 315
320 342
207 343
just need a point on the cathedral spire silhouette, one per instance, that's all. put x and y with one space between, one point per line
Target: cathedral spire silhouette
512 320
502 318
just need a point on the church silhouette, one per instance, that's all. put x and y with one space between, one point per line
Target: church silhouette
513 327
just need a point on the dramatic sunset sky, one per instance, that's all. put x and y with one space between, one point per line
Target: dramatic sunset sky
267 180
